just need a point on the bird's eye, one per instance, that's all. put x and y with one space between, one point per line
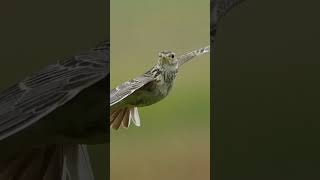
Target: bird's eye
172 56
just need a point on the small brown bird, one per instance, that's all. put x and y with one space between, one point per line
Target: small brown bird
147 89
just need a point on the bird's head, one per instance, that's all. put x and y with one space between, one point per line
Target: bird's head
167 58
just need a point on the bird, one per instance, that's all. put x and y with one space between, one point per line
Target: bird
47 118
147 89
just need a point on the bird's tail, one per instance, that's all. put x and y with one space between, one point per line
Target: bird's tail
50 162
123 117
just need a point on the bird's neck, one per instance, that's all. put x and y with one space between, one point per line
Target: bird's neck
167 67
165 73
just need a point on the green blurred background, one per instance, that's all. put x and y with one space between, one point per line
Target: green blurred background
173 141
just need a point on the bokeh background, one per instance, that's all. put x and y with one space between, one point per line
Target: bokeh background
173 141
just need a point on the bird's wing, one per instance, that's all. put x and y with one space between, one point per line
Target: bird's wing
188 56
125 89
41 93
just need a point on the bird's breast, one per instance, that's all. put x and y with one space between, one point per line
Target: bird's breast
165 82
154 91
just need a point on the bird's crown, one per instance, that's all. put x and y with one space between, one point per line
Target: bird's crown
167 54
167 57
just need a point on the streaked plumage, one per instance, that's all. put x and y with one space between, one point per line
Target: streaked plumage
28 101
39 116
147 89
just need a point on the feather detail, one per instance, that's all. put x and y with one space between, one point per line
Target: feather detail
135 116
39 94
125 120
118 119
123 117
49 162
